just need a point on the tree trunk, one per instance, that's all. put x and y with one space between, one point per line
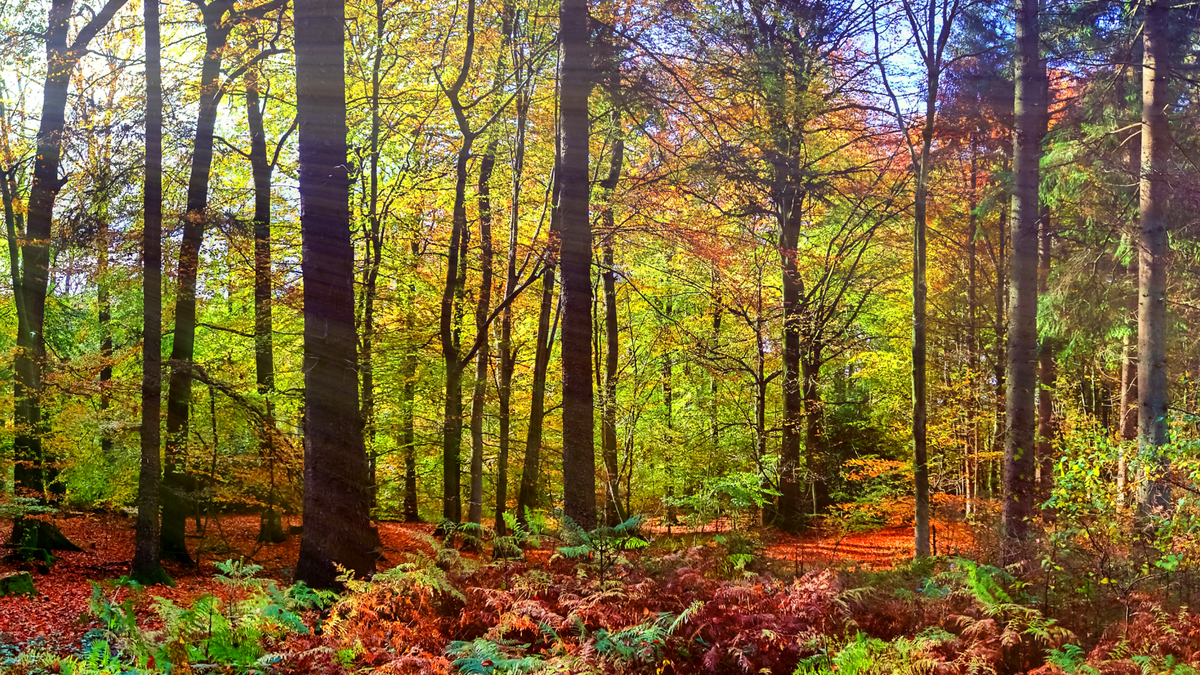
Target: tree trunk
507 356
177 484
920 291
482 307
271 523
612 499
793 397
146 565
527 496
810 370
337 524
31 473
104 319
374 259
408 439
971 466
1017 510
1153 249
1046 375
579 461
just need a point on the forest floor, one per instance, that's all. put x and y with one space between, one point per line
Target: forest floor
58 618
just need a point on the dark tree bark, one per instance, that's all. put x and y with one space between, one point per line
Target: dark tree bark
146 564
507 354
337 491
32 474
612 494
790 221
971 465
271 525
579 459
482 306
452 294
1020 421
1153 249
527 496
178 485
374 258
146 561
408 394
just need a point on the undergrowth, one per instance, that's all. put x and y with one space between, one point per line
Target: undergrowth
612 600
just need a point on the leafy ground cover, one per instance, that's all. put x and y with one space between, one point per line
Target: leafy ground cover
615 600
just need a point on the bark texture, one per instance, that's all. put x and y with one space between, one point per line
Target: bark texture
337 525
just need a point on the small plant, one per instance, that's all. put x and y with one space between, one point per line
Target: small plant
484 657
1071 659
603 546
519 535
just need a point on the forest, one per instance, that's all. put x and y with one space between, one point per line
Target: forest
599 336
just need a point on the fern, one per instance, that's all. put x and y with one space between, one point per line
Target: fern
484 657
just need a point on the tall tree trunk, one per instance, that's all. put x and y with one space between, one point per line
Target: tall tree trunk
31 472
482 307
408 439
271 523
614 512
374 259
1153 249
104 319
920 292
579 460
971 467
1046 374
449 330
177 484
146 565
790 217
507 356
668 380
527 496
337 521
1017 510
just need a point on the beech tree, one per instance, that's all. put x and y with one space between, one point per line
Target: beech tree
337 491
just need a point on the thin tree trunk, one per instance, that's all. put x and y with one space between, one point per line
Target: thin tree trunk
408 439
614 511
507 355
482 307
1153 249
32 474
449 331
971 467
810 370
1020 422
271 524
146 566
374 259
1046 375
337 523
104 319
178 485
527 496
579 460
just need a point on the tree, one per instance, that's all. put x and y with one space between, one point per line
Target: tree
146 566
337 494
1153 249
219 18
931 40
31 474
1021 378
579 457
262 168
